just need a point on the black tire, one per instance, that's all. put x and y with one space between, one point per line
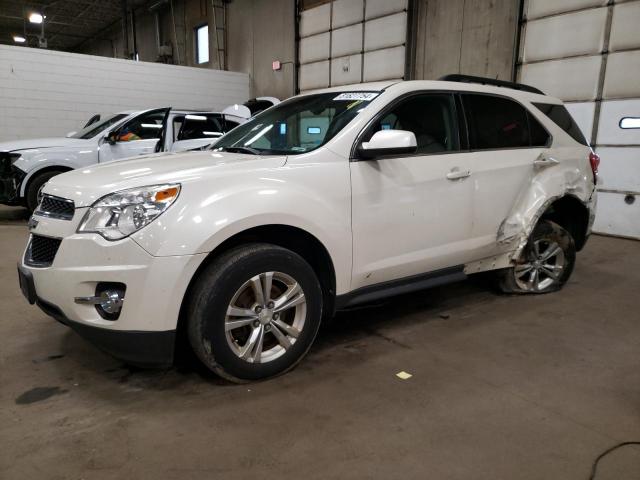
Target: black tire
545 235
36 183
213 293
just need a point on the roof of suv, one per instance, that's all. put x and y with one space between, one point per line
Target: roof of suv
407 86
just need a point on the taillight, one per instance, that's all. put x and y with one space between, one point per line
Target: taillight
594 160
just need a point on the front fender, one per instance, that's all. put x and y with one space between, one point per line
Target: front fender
34 161
312 197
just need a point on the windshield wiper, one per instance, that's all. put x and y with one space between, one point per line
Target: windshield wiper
250 150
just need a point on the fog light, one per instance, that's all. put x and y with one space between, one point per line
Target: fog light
108 300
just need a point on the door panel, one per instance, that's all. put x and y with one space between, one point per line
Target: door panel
499 177
412 214
138 136
408 218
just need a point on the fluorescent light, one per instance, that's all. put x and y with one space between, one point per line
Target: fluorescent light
630 122
19 39
35 18
196 117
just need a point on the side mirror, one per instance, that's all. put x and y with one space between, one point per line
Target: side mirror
388 142
111 138
71 134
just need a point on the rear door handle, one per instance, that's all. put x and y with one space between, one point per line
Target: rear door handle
545 161
457 174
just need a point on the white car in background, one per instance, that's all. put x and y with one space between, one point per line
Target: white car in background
330 199
26 165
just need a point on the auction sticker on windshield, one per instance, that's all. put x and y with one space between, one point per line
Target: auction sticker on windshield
357 96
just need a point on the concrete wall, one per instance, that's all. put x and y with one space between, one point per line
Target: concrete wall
474 37
178 21
45 93
259 32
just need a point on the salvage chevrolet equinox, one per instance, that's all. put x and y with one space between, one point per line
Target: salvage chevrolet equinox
327 200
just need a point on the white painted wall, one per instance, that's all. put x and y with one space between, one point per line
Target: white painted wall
587 52
45 93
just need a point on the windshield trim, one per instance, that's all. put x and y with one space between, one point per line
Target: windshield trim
77 135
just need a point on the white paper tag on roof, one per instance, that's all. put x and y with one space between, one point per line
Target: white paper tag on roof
350 96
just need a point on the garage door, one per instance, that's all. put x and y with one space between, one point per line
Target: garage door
352 41
587 52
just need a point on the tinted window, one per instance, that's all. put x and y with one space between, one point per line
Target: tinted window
147 126
539 136
200 125
94 129
561 117
495 122
230 124
431 117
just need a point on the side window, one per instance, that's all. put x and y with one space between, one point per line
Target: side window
495 122
200 125
230 124
431 117
539 135
561 117
147 126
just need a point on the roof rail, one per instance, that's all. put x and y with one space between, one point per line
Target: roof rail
490 81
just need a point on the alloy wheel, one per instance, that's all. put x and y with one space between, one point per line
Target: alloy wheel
265 317
541 266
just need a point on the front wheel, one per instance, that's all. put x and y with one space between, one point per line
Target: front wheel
33 194
545 263
254 312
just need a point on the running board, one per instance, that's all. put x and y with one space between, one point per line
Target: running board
401 286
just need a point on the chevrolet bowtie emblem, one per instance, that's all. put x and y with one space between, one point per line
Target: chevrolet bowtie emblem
33 223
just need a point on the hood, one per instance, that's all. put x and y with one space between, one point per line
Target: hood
85 186
38 143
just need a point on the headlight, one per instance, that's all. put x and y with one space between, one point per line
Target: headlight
120 214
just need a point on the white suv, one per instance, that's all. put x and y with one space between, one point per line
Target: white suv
26 165
330 199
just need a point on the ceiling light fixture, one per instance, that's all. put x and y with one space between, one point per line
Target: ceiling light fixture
35 18
19 39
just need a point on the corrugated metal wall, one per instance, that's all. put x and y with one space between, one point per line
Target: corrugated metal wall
48 93
352 41
587 52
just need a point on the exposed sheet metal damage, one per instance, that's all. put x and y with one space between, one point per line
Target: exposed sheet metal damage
10 178
547 187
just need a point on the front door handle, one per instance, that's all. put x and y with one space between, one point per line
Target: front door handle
457 174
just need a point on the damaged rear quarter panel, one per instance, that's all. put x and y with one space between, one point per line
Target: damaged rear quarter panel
571 176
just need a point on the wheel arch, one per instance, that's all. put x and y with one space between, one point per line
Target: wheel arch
571 214
293 238
31 175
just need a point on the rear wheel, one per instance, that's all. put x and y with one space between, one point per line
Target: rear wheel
34 189
545 264
255 312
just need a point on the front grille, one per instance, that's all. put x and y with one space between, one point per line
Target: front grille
41 251
56 207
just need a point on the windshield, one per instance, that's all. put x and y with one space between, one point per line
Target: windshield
95 128
296 126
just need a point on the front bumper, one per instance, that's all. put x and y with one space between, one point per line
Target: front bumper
144 332
145 349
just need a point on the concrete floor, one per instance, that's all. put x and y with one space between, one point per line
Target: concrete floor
502 388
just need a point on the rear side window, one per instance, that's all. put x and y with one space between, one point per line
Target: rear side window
496 122
200 125
561 117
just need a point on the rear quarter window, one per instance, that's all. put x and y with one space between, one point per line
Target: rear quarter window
562 118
